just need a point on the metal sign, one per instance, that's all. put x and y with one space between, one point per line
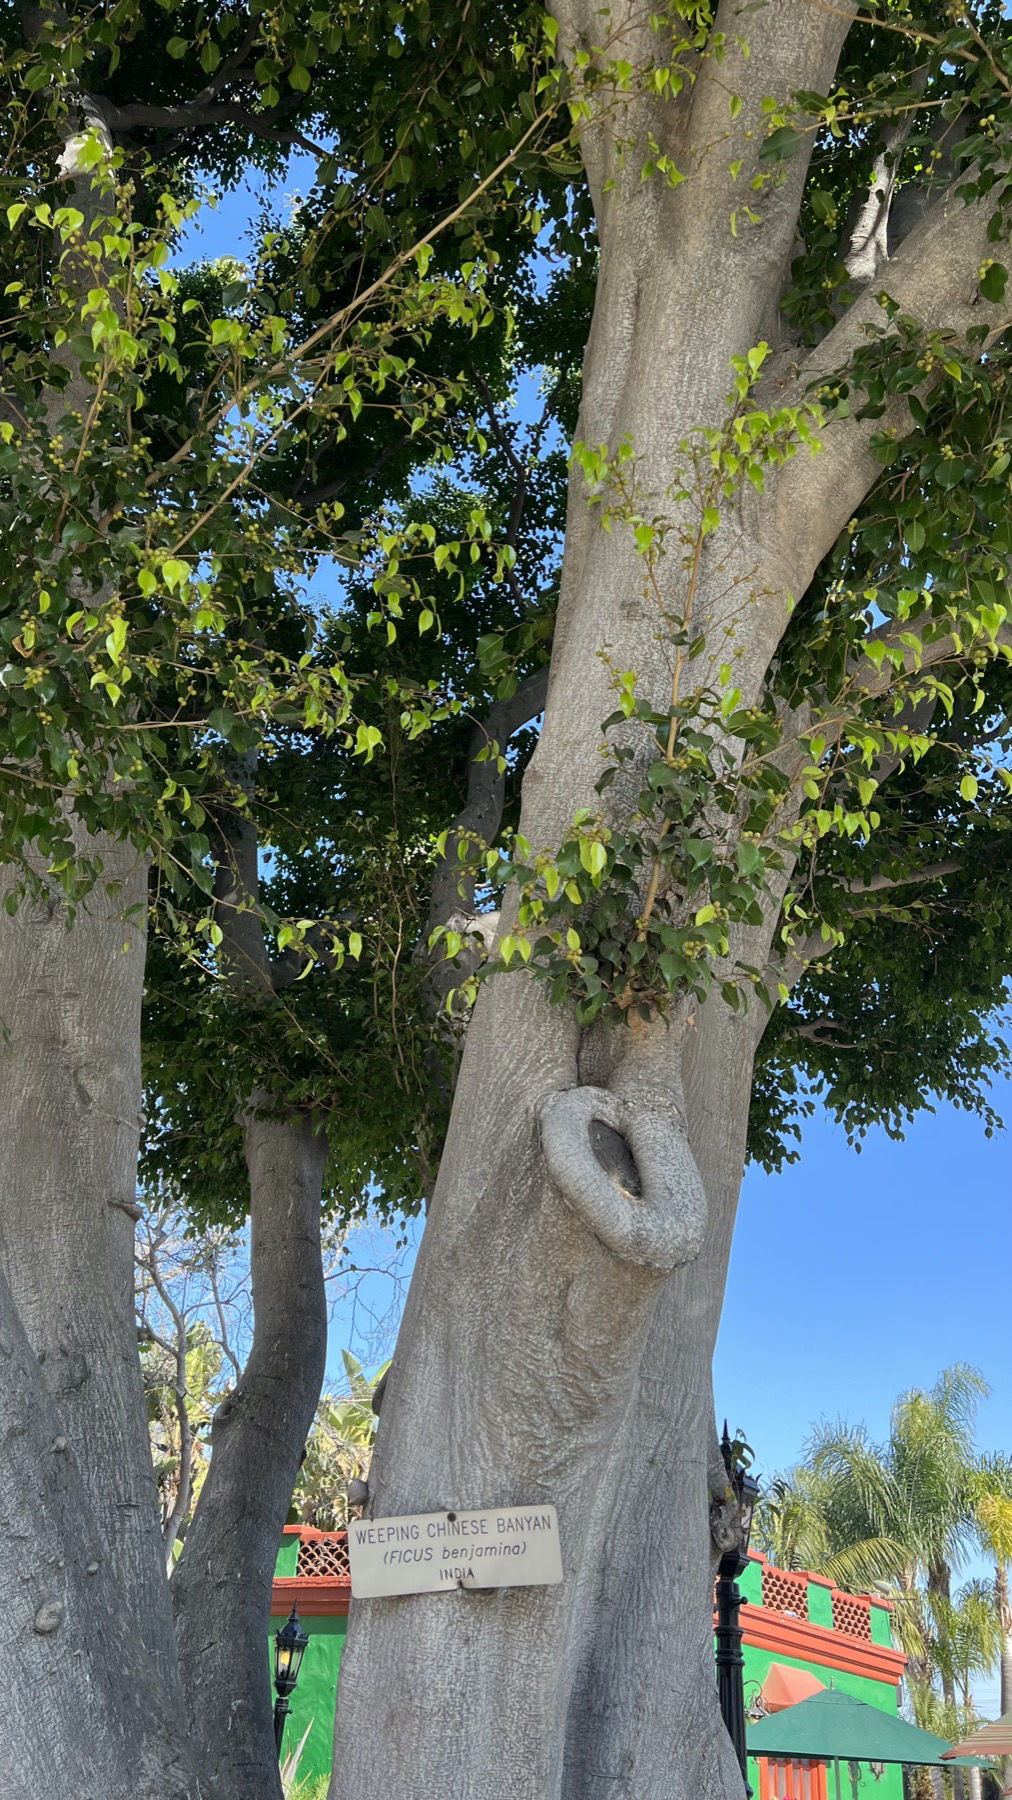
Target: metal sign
430 1553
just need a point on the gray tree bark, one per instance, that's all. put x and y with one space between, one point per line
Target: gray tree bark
85 1595
557 1339
221 1587
72 1724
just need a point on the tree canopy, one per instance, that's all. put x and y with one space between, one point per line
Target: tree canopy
284 568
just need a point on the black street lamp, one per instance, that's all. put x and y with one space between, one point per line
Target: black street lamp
289 1645
730 1662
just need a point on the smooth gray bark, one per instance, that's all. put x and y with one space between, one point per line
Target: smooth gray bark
557 1339
221 1587
78 1503
73 1725
70 1099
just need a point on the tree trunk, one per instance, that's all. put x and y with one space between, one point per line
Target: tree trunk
975 1784
76 1464
85 1711
1001 1595
517 1397
940 1587
222 1584
655 1591
557 1339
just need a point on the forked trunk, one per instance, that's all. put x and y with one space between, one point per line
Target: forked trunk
557 1339
222 1585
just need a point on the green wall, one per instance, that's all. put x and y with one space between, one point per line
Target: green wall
876 1693
313 1700
819 1611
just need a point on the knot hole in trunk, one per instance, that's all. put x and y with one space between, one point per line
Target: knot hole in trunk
615 1157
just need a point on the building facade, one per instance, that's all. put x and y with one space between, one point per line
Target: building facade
799 1633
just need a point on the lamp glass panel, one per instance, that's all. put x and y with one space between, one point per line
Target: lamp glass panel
289 1644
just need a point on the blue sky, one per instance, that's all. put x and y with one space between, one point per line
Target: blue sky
854 1277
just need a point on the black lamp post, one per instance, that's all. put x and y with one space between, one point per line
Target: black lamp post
730 1662
289 1645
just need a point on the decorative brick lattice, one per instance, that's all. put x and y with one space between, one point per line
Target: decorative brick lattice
324 1558
852 1615
785 1592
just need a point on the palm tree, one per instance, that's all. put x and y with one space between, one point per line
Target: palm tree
896 1518
969 1645
993 1512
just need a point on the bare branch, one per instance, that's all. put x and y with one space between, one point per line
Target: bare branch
224 1337
237 887
184 1489
868 247
882 884
148 1258
482 810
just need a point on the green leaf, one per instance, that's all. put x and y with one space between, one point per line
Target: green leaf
115 642
175 573
914 534
780 144
992 282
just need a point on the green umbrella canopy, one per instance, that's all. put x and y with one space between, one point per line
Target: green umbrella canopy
832 1724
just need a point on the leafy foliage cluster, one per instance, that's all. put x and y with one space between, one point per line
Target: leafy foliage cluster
339 1450
273 515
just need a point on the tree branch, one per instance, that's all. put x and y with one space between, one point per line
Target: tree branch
933 279
237 888
825 1032
787 970
148 1261
882 884
316 946
202 113
904 659
480 816
223 1333
868 248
